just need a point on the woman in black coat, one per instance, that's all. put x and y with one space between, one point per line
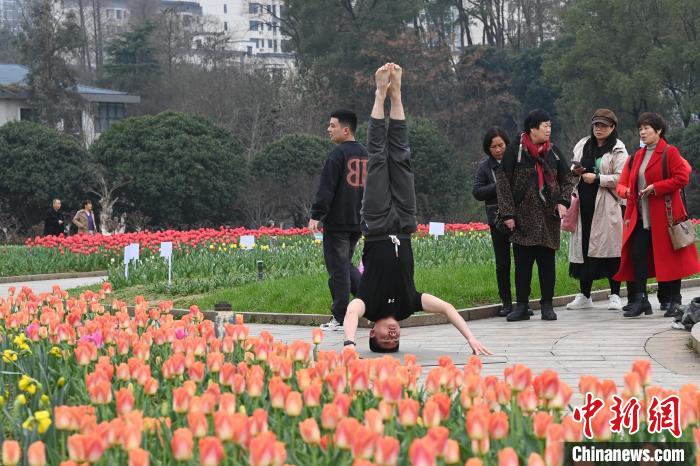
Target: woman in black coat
495 143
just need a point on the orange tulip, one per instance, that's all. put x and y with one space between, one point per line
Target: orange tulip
451 453
100 392
11 452
444 403
36 454
561 399
391 390
408 412
589 384
600 424
546 384
480 447
150 387
76 448
507 457
431 414
317 336
198 424
422 452
643 368
540 422
608 388
64 418
633 384
211 451
125 400
478 419
223 425
309 431
258 422
278 392
572 429
374 421
254 384
293 404
330 416
474 462
535 460
345 432
312 395
359 378
439 435
262 449
386 409
181 400
521 377
138 457
554 450
527 400
131 437
182 444
387 451
498 425
363 443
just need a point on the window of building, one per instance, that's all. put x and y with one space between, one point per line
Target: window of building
269 43
274 28
269 26
119 14
107 115
26 114
286 46
225 9
274 10
254 25
225 26
283 11
255 43
110 13
250 50
274 44
253 8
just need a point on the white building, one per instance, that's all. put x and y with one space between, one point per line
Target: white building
252 27
101 107
10 15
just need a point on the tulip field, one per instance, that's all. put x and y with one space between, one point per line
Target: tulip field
85 383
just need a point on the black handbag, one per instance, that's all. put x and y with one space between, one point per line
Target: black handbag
500 226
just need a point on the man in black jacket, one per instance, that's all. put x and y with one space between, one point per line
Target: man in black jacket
53 223
337 205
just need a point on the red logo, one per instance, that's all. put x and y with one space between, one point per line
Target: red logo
357 172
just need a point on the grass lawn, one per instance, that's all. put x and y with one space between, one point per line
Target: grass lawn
464 285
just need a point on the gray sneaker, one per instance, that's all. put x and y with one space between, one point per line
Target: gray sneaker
332 325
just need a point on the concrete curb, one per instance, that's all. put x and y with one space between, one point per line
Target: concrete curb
695 338
53 276
420 320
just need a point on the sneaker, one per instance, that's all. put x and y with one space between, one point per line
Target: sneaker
332 325
614 302
580 302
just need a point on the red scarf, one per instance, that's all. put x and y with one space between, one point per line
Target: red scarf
536 150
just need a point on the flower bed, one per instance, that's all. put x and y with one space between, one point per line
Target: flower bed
87 383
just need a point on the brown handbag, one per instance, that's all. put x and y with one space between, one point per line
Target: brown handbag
682 233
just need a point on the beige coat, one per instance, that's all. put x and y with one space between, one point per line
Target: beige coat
81 221
606 229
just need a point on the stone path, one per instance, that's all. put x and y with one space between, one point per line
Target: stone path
594 341
42 286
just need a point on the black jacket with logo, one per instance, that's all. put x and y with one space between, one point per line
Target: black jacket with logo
339 196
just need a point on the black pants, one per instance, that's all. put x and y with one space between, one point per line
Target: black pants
344 278
389 200
525 258
641 248
501 249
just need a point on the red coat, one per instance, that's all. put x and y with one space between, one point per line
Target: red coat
665 263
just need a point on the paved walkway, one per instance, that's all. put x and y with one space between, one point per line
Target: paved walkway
42 286
594 341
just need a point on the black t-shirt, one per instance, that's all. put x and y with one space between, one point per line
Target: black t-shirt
387 286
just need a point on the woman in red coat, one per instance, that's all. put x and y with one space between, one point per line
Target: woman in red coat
647 250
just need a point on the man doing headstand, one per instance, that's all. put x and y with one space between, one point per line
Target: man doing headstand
387 293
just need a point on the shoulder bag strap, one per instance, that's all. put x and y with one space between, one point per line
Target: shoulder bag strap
669 210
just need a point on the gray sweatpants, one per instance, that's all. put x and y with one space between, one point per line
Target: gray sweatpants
389 201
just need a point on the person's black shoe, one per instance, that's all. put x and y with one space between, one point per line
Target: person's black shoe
519 313
505 310
548 311
673 310
530 312
665 306
639 306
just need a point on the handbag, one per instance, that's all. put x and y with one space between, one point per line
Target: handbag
682 233
500 226
570 220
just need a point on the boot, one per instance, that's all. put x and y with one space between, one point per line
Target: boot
506 309
548 311
674 307
639 306
519 313
664 306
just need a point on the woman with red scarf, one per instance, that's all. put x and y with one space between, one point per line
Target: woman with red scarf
534 186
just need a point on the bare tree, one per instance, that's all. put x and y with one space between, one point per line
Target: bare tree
105 190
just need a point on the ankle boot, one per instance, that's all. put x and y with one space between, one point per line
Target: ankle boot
506 309
519 313
639 306
548 311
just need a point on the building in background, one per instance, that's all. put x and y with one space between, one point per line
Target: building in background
101 108
10 15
